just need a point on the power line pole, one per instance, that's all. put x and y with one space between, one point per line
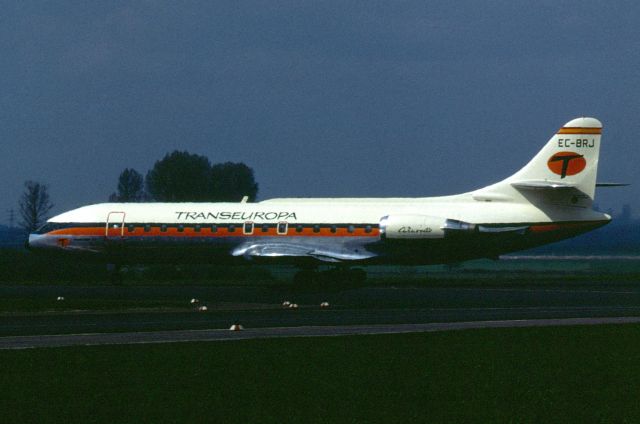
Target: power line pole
12 217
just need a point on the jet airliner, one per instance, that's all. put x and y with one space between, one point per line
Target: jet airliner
549 199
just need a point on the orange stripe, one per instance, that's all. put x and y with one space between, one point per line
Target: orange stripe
79 231
221 232
569 130
543 228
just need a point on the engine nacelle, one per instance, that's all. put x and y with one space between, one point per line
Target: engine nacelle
412 227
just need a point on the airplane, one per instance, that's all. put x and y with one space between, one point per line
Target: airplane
549 199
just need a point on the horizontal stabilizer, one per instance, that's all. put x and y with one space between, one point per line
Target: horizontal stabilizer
542 184
612 184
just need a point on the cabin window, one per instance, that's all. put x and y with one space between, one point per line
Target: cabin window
180 228
147 228
351 228
316 228
265 228
163 228
334 228
299 228
232 228
248 227
131 228
282 227
214 228
197 228
367 229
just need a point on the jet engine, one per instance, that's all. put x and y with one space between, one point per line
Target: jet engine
422 227
412 227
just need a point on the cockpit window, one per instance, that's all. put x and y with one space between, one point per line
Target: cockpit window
43 229
48 227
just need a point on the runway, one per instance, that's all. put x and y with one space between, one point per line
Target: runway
361 310
27 342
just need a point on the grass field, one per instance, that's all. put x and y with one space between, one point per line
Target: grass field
569 374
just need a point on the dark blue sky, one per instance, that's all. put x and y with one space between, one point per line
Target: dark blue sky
409 98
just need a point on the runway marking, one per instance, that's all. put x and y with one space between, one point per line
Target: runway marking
176 336
569 290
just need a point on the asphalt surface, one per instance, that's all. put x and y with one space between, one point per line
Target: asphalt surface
259 309
27 342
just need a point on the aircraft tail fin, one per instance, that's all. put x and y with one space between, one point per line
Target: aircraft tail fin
565 170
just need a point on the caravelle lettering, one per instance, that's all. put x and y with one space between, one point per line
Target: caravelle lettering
409 230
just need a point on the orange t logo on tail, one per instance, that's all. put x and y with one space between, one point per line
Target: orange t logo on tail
566 163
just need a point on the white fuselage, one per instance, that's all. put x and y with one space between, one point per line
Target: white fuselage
549 199
334 230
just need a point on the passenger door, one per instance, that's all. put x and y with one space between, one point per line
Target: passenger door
115 225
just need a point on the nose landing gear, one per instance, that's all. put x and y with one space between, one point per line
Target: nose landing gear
115 273
339 275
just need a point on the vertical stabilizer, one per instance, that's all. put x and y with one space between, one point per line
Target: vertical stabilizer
564 171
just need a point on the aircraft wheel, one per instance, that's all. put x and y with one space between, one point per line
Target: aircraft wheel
115 274
357 275
345 276
304 276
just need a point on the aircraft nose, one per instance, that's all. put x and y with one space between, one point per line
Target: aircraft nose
35 241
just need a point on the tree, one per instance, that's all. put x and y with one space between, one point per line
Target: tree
130 187
180 177
186 177
230 182
34 205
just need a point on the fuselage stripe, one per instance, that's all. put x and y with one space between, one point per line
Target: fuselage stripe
221 230
258 230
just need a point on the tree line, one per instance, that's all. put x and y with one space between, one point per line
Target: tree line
178 177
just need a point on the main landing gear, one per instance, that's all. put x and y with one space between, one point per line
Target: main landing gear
339 275
116 276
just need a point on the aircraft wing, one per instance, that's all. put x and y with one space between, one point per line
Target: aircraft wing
271 249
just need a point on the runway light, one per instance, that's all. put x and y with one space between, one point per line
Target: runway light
194 301
202 308
286 304
324 305
293 306
236 327
60 298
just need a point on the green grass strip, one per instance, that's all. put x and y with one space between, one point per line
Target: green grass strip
556 374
